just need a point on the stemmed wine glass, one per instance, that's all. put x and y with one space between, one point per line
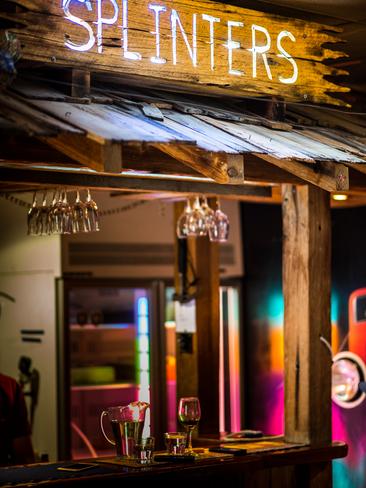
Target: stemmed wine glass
189 414
182 224
218 230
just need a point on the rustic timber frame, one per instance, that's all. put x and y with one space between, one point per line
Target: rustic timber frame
196 149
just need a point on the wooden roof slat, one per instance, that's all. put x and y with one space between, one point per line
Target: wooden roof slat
32 120
177 123
319 150
308 147
331 138
356 143
211 131
266 141
204 142
332 119
105 122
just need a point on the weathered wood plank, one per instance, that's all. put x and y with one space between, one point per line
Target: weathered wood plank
328 176
306 288
266 142
243 50
108 123
32 120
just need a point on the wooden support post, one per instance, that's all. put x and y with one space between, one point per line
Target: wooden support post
306 288
206 262
186 360
80 83
198 372
276 109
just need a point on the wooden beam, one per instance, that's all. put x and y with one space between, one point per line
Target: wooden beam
100 157
186 357
206 263
200 367
153 160
306 288
102 181
325 175
210 165
357 167
256 169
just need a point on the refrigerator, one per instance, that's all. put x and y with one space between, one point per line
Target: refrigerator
116 344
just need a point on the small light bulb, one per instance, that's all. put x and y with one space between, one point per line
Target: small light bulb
340 197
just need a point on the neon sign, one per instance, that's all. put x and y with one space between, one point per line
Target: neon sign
201 44
168 32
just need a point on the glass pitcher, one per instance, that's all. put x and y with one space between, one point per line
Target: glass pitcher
127 424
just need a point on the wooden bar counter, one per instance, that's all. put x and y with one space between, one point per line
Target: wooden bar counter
263 465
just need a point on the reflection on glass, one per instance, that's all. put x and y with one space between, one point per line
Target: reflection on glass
109 357
345 380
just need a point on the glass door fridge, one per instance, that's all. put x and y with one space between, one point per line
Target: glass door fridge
116 344
107 331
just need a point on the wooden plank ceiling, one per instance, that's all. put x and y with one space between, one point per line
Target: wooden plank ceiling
156 132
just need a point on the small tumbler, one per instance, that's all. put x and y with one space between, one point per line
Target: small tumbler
144 450
175 442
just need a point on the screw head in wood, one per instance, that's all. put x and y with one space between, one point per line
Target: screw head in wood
232 172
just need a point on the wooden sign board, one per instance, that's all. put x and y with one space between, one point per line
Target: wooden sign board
201 43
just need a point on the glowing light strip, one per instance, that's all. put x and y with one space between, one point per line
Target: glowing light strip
221 372
234 357
143 355
143 349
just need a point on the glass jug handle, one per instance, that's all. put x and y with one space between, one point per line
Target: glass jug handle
102 427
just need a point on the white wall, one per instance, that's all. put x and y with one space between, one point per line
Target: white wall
28 268
150 223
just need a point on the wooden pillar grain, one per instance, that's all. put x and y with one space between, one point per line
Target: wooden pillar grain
198 373
186 362
306 288
208 333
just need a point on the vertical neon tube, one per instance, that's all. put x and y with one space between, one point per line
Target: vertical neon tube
234 357
143 349
221 371
143 355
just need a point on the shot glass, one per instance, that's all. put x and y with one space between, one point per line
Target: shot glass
144 450
175 442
